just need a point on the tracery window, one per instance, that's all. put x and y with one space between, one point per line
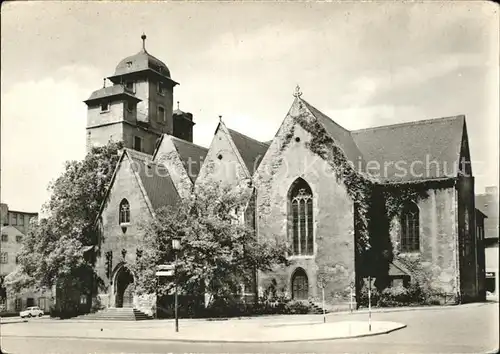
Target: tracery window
410 235
301 218
124 211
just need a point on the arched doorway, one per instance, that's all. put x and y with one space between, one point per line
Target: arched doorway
124 292
300 285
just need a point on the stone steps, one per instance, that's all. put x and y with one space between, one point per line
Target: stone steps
316 309
116 314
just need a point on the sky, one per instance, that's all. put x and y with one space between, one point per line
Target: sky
363 64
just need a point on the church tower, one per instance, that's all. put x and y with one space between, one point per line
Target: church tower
137 106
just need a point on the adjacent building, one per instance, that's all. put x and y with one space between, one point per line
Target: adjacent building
487 203
15 225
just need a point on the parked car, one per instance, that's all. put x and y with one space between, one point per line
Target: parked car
31 312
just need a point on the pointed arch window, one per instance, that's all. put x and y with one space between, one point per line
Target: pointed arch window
124 211
410 233
301 218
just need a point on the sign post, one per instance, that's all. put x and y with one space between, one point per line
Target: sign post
176 246
351 304
322 286
164 270
369 303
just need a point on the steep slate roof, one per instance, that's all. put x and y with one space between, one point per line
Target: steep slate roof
111 91
156 180
192 156
427 140
138 155
341 136
252 151
396 268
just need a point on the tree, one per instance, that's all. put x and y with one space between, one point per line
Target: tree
56 244
218 251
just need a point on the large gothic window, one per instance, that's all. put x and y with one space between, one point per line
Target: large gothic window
124 211
301 218
410 238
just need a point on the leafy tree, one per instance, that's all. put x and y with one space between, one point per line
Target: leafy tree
56 244
218 250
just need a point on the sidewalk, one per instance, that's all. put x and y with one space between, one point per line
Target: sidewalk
190 331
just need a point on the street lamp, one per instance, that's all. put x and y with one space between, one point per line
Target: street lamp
176 246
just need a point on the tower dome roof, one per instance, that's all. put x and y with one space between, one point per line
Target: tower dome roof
141 61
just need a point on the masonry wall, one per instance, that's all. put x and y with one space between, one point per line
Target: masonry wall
332 214
100 136
148 138
96 117
436 263
467 239
112 237
156 100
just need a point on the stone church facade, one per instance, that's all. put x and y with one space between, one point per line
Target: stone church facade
395 203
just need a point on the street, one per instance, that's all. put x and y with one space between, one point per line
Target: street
462 329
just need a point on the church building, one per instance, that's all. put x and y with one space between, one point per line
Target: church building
395 203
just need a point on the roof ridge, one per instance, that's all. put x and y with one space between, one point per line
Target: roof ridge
412 123
247 137
136 152
188 142
334 122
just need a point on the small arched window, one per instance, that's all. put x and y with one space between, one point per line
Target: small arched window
410 235
301 218
124 211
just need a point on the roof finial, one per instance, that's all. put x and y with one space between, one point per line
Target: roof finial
220 118
143 37
104 83
297 92
178 105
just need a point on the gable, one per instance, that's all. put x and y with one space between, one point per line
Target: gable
125 185
464 162
223 163
138 179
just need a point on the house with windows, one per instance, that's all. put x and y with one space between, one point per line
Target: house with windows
487 205
394 203
14 229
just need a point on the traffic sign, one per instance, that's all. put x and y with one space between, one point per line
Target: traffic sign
165 273
166 267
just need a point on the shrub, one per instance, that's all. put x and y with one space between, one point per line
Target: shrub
363 297
297 307
96 305
394 296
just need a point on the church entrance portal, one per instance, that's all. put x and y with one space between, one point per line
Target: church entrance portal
300 286
124 288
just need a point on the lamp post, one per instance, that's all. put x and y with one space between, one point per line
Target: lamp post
176 246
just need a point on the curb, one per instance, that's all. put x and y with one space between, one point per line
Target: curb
416 308
187 340
10 322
